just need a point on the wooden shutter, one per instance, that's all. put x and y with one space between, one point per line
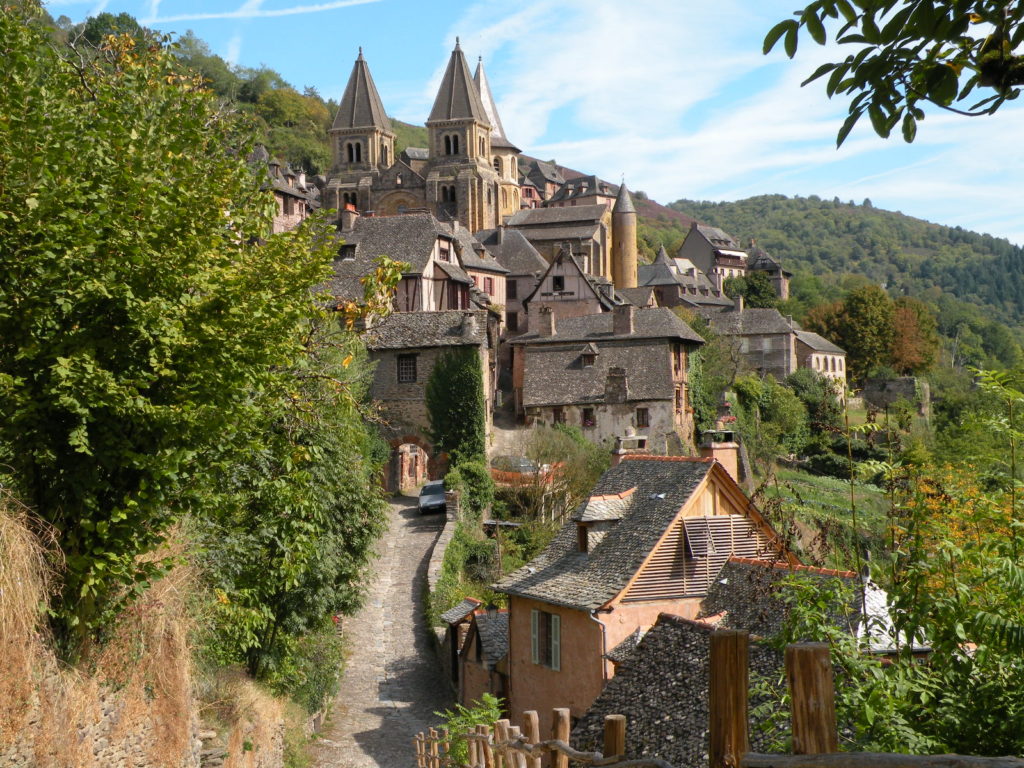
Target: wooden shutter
534 636
556 642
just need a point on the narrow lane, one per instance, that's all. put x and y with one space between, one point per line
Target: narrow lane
392 683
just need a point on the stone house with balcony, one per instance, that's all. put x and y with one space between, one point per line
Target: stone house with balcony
651 539
608 373
713 252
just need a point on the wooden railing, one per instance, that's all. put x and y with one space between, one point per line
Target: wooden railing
814 727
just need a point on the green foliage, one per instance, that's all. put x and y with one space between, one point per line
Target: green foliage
462 720
820 397
906 53
407 135
472 479
756 289
313 675
771 419
455 404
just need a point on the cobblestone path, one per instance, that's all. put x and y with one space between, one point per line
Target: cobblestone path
392 684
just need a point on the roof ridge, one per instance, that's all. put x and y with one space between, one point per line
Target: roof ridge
607 496
694 459
780 565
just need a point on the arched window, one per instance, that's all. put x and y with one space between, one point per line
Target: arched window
359 152
350 152
451 192
504 198
455 145
483 146
384 153
444 194
497 165
447 145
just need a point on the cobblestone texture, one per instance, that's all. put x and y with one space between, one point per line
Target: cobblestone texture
393 682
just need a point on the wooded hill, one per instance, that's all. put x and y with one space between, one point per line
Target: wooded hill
906 255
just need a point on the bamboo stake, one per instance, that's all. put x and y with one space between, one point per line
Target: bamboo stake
614 735
809 674
727 698
432 759
418 741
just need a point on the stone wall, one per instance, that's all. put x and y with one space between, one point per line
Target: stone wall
881 393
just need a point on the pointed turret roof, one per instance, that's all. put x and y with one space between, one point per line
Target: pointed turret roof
663 257
361 106
498 137
623 203
458 98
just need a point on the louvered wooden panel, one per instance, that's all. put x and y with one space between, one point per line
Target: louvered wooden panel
692 554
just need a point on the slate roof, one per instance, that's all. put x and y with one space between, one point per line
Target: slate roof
583 186
625 649
555 375
761 261
361 106
513 251
493 632
718 238
623 201
412 330
498 138
652 323
638 297
458 98
750 322
416 153
612 507
474 254
819 343
540 172
553 217
460 611
661 686
562 575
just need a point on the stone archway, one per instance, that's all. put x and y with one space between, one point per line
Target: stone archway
412 462
396 202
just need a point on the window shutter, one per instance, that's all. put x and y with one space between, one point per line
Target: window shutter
556 642
534 643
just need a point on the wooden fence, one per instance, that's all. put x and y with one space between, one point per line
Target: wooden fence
814 727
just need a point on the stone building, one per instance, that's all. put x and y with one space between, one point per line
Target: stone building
713 252
469 172
678 283
651 539
295 197
525 268
568 290
765 341
483 657
821 355
608 373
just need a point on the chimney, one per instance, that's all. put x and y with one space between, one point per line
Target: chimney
349 216
738 302
545 321
629 444
468 325
720 443
616 386
500 234
623 319
302 179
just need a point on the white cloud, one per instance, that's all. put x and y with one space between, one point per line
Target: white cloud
251 10
99 8
234 49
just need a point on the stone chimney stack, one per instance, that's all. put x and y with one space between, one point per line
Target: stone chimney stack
348 217
738 302
468 325
623 320
720 443
545 321
302 179
616 387
629 444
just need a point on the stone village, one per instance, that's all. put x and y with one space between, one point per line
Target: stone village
535 268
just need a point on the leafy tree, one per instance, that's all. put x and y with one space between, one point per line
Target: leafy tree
142 329
820 397
462 720
756 289
915 341
455 404
97 28
865 330
912 52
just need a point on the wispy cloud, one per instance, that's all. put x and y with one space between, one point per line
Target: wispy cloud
248 12
99 7
234 50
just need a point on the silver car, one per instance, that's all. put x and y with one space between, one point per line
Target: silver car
432 497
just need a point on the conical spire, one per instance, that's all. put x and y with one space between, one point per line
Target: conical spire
361 106
623 202
457 98
498 137
662 257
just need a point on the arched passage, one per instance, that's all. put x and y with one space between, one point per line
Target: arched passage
412 463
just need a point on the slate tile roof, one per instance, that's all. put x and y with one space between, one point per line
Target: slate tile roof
493 632
474 254
661 687
819 343
749 322
460 611
625 649
361 106
458 97
513 251
612 507
717 237
562 575
552 217
652 323
416 153
413 330
623 201
638 297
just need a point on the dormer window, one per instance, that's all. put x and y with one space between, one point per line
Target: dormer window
558 283
588 359
347 252
444 249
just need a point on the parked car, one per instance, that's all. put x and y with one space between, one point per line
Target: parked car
432 497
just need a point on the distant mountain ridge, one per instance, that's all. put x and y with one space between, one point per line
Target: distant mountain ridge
906 255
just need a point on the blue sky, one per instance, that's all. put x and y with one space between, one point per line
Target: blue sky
672 95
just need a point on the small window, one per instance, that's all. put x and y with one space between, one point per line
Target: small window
347 252
558 283
558 415
679 400
407 369
511 289
497 165
455 145
643 417
588 359
587 418
512 321
489 286
447 145
546 639
289 206
384 158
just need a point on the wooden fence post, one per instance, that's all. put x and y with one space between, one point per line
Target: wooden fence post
488 755
560 722
418 741
531 727
727 698
614 735
501 753
809 674
433 760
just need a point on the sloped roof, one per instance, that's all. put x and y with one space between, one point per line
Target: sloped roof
638 297
562 575
819 343
414 330
416 153
492 629
661 686
602 287
513 251
623 201
474 254
361 106
749 322
408 237
460 611
612 507
553 217
458 98
498 138
625 649
652 323
718 237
